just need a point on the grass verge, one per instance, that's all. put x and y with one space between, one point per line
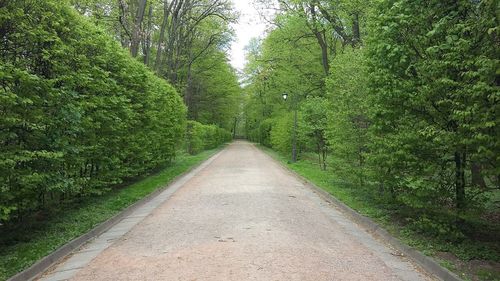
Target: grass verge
22 246
470 259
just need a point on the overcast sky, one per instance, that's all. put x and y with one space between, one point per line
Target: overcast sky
248 27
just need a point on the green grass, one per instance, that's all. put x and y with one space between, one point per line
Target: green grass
392 218
22 246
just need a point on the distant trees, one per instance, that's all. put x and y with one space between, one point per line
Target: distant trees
200 137
183 41
215 92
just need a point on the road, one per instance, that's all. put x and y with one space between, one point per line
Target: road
241 216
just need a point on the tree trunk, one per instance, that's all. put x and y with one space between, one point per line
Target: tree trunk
325 152
123 18
147 45
324 52
318 147
460 180
166 14
172 39
136 33
234 127
361 163
188 92
294 140
477 178
320 37
356 35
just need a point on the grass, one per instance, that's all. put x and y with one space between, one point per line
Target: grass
456 256
23 245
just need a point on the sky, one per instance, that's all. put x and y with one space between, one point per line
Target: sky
249 26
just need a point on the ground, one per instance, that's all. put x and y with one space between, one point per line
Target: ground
240 216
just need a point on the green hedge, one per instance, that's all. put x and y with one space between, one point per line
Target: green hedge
200 137
265 129
77 113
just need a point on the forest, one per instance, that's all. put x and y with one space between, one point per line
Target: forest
395 102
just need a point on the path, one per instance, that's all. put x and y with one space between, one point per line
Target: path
240 217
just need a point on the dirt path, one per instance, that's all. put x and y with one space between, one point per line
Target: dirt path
243 217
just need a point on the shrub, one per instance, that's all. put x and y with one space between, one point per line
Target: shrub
200 137
78 113
265 128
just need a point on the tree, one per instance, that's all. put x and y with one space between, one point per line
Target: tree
181 40
314 115
348 120
78 114
435 87
283 63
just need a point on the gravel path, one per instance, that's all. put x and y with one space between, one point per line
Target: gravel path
244 217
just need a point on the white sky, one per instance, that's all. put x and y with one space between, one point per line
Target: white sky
249 26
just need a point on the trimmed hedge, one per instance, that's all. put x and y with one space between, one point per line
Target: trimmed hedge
77 113
200 137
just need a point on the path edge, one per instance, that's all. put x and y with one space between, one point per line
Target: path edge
426 262
60 253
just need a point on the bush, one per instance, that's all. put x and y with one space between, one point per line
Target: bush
265 128
200 137
281 134
78 113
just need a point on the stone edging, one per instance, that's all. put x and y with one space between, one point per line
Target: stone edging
46 262
427 263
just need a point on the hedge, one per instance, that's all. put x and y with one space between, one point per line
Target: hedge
77 113
200 137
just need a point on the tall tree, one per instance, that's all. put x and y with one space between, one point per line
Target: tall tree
435 86
176 38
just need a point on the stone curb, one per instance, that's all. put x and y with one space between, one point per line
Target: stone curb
46 262
427 263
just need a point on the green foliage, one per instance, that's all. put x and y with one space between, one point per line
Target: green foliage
282 133
404 97
439 229
265 128
314 112
348 120
215 92
78 114
24 244
434 94
190 54
200 137
284 63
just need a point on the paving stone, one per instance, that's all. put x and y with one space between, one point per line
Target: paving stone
60 276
